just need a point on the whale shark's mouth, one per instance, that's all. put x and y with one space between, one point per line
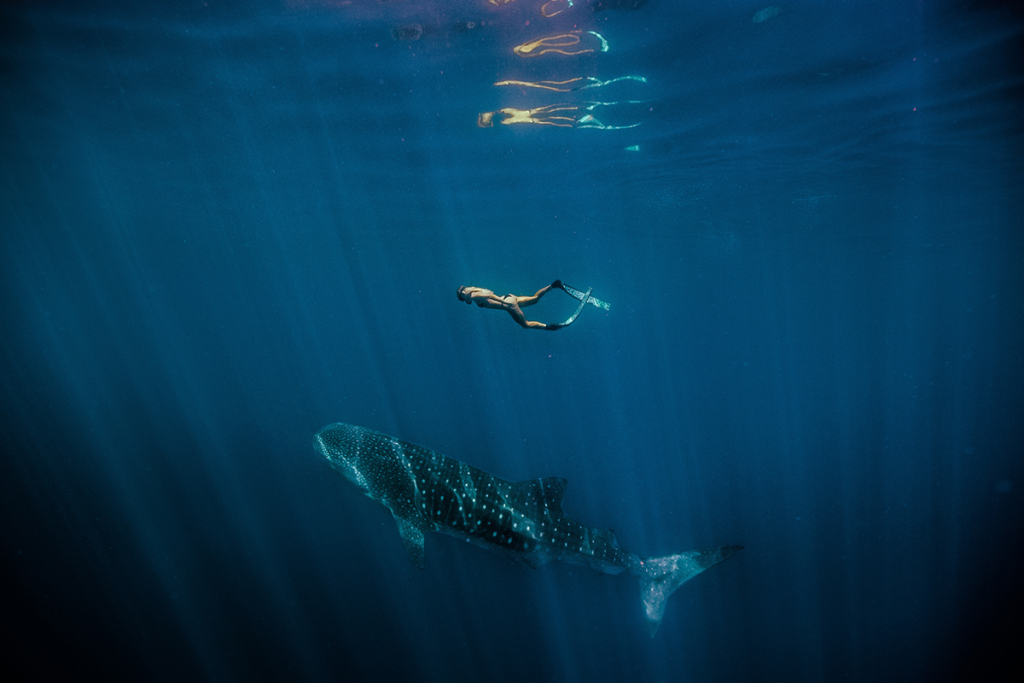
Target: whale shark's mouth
342 462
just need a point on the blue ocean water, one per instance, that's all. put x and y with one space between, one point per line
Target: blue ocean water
226 225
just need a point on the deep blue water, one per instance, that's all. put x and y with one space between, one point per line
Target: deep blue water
226 225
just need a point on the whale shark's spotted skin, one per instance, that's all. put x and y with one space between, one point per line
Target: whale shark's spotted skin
428 491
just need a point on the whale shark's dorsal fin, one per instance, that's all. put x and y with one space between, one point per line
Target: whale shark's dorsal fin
547 492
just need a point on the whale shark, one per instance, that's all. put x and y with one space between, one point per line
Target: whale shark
427 491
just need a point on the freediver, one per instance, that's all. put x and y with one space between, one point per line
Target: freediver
485 298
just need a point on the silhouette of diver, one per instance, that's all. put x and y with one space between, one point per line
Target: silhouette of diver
485 298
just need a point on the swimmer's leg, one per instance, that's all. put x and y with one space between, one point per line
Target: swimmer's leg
531 300
518 316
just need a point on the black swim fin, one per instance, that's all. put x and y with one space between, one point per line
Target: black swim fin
584 296
572 318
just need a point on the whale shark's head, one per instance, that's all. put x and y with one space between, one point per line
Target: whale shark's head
340 445
367 458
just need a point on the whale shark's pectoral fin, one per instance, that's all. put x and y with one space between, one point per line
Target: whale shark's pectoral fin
412 536
532 560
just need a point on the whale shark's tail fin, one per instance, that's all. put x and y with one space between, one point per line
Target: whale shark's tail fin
661 576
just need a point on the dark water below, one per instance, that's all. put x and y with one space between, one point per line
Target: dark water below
226 225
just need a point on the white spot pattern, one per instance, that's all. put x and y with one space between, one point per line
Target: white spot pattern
438 492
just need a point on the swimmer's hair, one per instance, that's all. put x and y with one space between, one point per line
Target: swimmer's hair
485 119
